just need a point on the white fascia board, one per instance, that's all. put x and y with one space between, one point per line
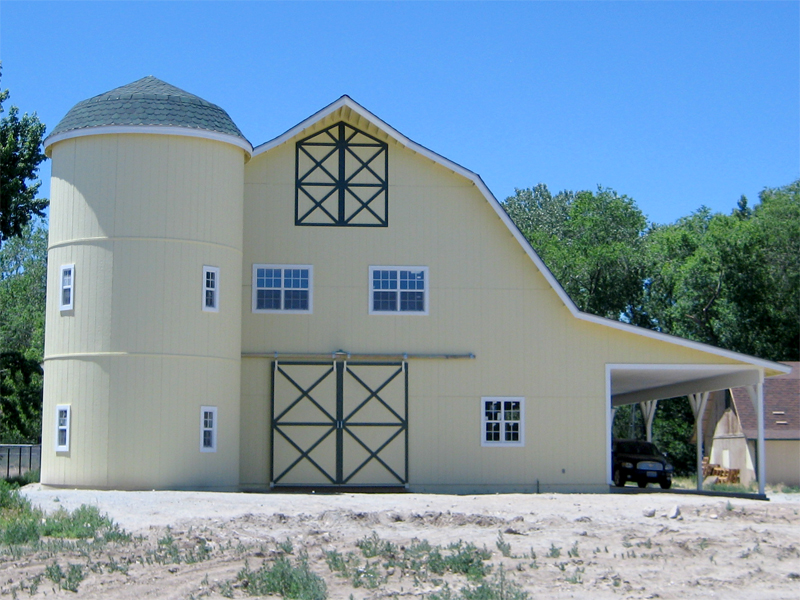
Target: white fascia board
151 130
346 101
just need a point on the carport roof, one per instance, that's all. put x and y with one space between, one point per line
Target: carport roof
638 383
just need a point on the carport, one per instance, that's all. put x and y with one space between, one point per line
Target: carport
646 384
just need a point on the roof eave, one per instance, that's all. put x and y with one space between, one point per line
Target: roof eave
151 130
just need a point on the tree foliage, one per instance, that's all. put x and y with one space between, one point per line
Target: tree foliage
23 276
20 156
732 281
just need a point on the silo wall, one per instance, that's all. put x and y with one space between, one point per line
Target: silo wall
140 216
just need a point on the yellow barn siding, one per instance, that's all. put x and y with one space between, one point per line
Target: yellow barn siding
486 297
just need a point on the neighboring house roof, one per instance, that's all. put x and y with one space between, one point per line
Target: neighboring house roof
781 407
146 103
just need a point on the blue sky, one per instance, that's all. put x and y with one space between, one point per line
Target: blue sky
675 104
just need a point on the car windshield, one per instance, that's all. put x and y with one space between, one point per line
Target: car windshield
640 448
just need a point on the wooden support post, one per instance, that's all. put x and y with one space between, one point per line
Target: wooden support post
648 409
698 402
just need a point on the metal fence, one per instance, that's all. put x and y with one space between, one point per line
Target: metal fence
18 459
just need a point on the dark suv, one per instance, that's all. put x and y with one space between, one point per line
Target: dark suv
641 462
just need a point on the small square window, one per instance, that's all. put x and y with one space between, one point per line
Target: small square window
210 289
283 289
67 297
63 413
502 421
208 429
398 290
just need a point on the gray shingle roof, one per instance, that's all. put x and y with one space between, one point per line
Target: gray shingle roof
148 101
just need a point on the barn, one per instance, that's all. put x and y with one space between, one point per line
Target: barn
339 307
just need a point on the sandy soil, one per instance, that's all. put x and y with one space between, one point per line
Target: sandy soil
611 546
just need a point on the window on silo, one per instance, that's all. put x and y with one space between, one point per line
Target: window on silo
208 429
67 298
210 289
62 427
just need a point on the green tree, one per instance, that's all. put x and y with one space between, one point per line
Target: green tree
732 281
23 275
20 156
592 242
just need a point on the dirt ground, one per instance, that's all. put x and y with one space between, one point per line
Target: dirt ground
551 545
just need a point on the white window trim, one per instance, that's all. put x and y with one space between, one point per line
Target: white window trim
212 429
503 444
426 292
65 446
281 311
215 271
71 287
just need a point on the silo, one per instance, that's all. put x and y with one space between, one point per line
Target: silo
143 331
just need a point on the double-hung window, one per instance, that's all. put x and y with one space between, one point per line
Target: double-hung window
502 421
62 427
210 289
208 429
283 288
67 298
398 290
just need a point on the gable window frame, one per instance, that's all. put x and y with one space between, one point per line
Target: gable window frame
394 283
63 422
208 428
340 176
210 288
266 282
66 300
503 421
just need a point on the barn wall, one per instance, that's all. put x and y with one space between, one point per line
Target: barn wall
139 216
783 462
486 297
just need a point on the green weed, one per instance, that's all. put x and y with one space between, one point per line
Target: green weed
284 579
373 546
576 576
554 551
503 545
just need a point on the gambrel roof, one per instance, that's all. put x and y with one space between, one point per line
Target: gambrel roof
347 107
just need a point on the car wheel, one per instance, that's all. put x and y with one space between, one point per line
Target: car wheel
641 484
665 485
618 481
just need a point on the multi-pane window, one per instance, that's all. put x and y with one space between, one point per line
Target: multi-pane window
62 427
282 288
208 429
502 420
67 298
396 290
211 289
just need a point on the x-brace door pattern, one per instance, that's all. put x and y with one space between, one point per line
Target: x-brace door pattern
339 423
